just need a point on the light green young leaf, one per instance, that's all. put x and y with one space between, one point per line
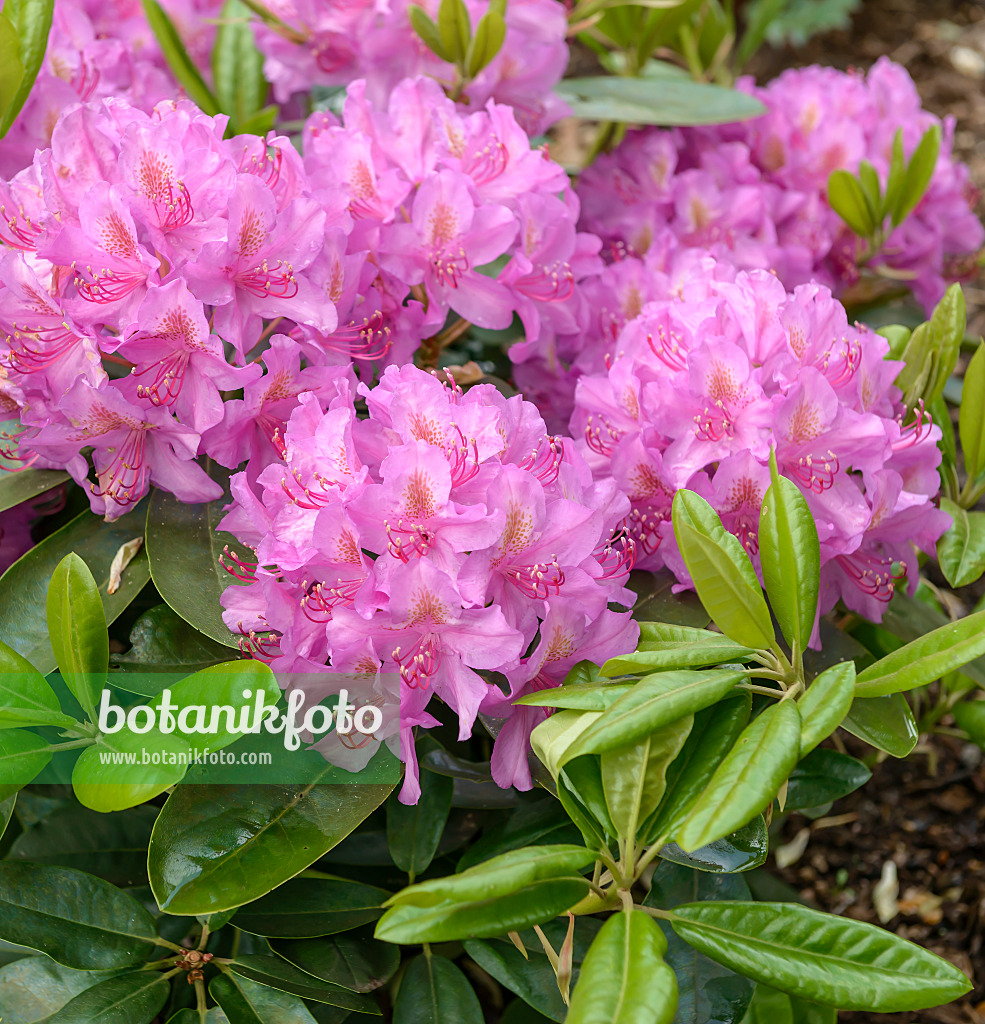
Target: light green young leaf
455 29
11 69
32 21
487 42
824 706
181 65
25 696
894 182
423 25
919 171
847 198
722 573
237 66
971 422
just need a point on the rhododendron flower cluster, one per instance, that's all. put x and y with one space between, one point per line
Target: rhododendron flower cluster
101 48
147 261
329 42
700 386
755 193
444 535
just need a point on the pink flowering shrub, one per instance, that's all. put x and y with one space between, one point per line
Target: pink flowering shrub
755 193
700 385
445 534
146 262
333 43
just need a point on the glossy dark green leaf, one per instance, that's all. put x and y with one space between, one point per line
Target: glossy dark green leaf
721 571
531 822
11 68
308 907
24 586
183 547
824 776
7 805
182 66
23 755
79 920
961 551
770 1006
847 198
217 847
163 642
657 602
112 846
713 735
634 778
919 171
32 20
531 977
237 66
746 782
581 781
278 973
482 918
820 957
499 876
247 1002
921 661
34 988
77 630
824 706
25 696
352 960
136 998
742 850
885 722
970 716
708 993
790 554
414 830
434 991
667 102
655 701
211 1016
27 483
971 422
624 979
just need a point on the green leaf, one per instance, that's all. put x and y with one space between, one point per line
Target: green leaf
78 920
182 66
246 1002
487 42
971 422
822 777
23 755
211 1016
530 977
722 573
26 483
455 29
414 830
657 603
713 735
931 352
884 722
655 701
423 25
278 973
868 178
77 630
351 960
237 66
922 661
434 991
135 998
970 716
824 706
746 782
12 73
790 554
961 551
218 847
33 989
634 778
919 171
578 696
743 850
499 876
624 979
941 415
163 642
24 586
772 1007
112 846
820 957
308 907
678 647
25 696
183 546
551 739
665 101
532 821
708 992
847 198
32 20
895 180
